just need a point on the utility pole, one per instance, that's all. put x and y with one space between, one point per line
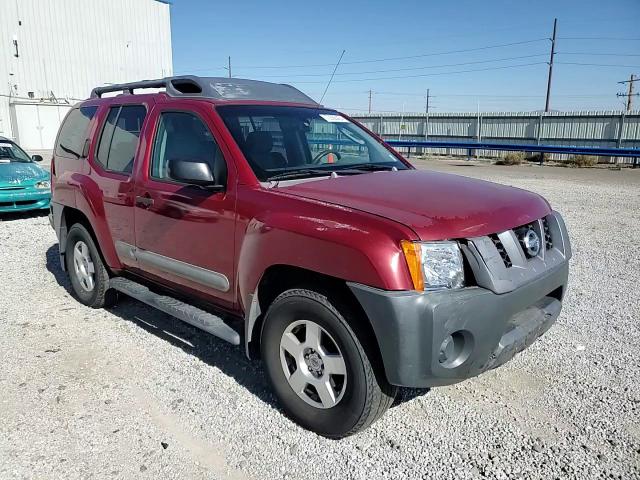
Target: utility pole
629 93
370 93
553 53
229 68
427 107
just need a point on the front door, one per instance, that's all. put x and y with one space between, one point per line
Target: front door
184 234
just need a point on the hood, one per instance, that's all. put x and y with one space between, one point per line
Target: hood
437 206
17 173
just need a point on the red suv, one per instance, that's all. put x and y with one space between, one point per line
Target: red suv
326 253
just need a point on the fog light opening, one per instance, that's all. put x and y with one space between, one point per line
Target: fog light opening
455 349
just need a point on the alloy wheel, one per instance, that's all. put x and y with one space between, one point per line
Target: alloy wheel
83 266
313 364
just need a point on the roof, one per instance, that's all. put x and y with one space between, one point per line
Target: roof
216 88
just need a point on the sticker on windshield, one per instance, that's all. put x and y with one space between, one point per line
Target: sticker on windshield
5 145
334 118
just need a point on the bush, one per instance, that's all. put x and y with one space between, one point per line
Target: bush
534 157
582 161
511 158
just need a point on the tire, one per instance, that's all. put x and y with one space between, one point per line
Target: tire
361 395
98 295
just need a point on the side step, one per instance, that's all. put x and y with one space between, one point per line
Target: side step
183 311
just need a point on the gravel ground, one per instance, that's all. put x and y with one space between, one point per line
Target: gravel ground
132 393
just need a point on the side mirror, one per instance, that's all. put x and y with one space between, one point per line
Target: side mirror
193 173
36 158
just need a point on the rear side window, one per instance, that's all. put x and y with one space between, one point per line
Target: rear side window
119 138
73 132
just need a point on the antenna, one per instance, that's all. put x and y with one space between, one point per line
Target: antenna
331 79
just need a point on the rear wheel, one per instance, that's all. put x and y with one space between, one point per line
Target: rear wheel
87 272
318 368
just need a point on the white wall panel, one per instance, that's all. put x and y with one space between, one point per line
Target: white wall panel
67 47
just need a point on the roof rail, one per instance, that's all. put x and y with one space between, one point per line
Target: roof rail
168 83
219 88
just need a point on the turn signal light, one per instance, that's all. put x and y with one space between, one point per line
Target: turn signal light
413 255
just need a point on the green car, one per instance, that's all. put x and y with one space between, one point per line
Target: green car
24 185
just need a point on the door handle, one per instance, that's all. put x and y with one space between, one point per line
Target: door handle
144 201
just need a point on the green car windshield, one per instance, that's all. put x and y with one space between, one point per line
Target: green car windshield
10 152
283 142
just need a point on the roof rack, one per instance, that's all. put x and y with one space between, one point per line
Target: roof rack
218 88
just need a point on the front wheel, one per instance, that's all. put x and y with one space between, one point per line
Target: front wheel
318 368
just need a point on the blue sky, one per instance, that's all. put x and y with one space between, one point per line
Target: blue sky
299 42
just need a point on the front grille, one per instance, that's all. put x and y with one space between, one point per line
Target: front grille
19 203
11 189
501 250
548 241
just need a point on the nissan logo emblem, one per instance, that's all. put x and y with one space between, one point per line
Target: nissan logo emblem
531 242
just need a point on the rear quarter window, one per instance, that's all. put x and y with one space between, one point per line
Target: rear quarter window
119 138
73 132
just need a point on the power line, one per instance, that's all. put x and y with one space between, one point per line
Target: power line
598 64
601 54
470 95
407 69
449 52
429 74
488 47
601 38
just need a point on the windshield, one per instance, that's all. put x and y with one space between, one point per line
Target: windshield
10 152
282 142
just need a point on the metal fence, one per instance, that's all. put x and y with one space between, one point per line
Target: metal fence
604 129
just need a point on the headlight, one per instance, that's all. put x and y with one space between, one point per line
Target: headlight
434 265
43 184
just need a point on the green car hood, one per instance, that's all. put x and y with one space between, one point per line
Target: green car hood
16 173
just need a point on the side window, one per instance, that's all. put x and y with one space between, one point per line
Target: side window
183 136
119 139
73 132
264 141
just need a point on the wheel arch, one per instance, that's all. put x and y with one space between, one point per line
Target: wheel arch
279 278
69 216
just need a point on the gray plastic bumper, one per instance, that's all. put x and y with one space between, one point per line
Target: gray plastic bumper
439 338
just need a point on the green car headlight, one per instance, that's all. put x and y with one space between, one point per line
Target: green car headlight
43 184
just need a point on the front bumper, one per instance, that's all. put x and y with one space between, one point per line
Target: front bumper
25 199
439 338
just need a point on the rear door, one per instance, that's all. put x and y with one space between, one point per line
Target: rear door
185 234
112 158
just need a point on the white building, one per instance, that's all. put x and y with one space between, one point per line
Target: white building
53 52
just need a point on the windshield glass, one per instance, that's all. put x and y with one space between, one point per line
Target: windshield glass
10 152
280 141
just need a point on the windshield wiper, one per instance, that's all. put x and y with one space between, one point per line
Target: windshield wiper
68 150
300 173
318 172
372 167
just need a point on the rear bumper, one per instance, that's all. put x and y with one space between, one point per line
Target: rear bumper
439 338
27 199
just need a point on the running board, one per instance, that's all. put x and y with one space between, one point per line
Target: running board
183 311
